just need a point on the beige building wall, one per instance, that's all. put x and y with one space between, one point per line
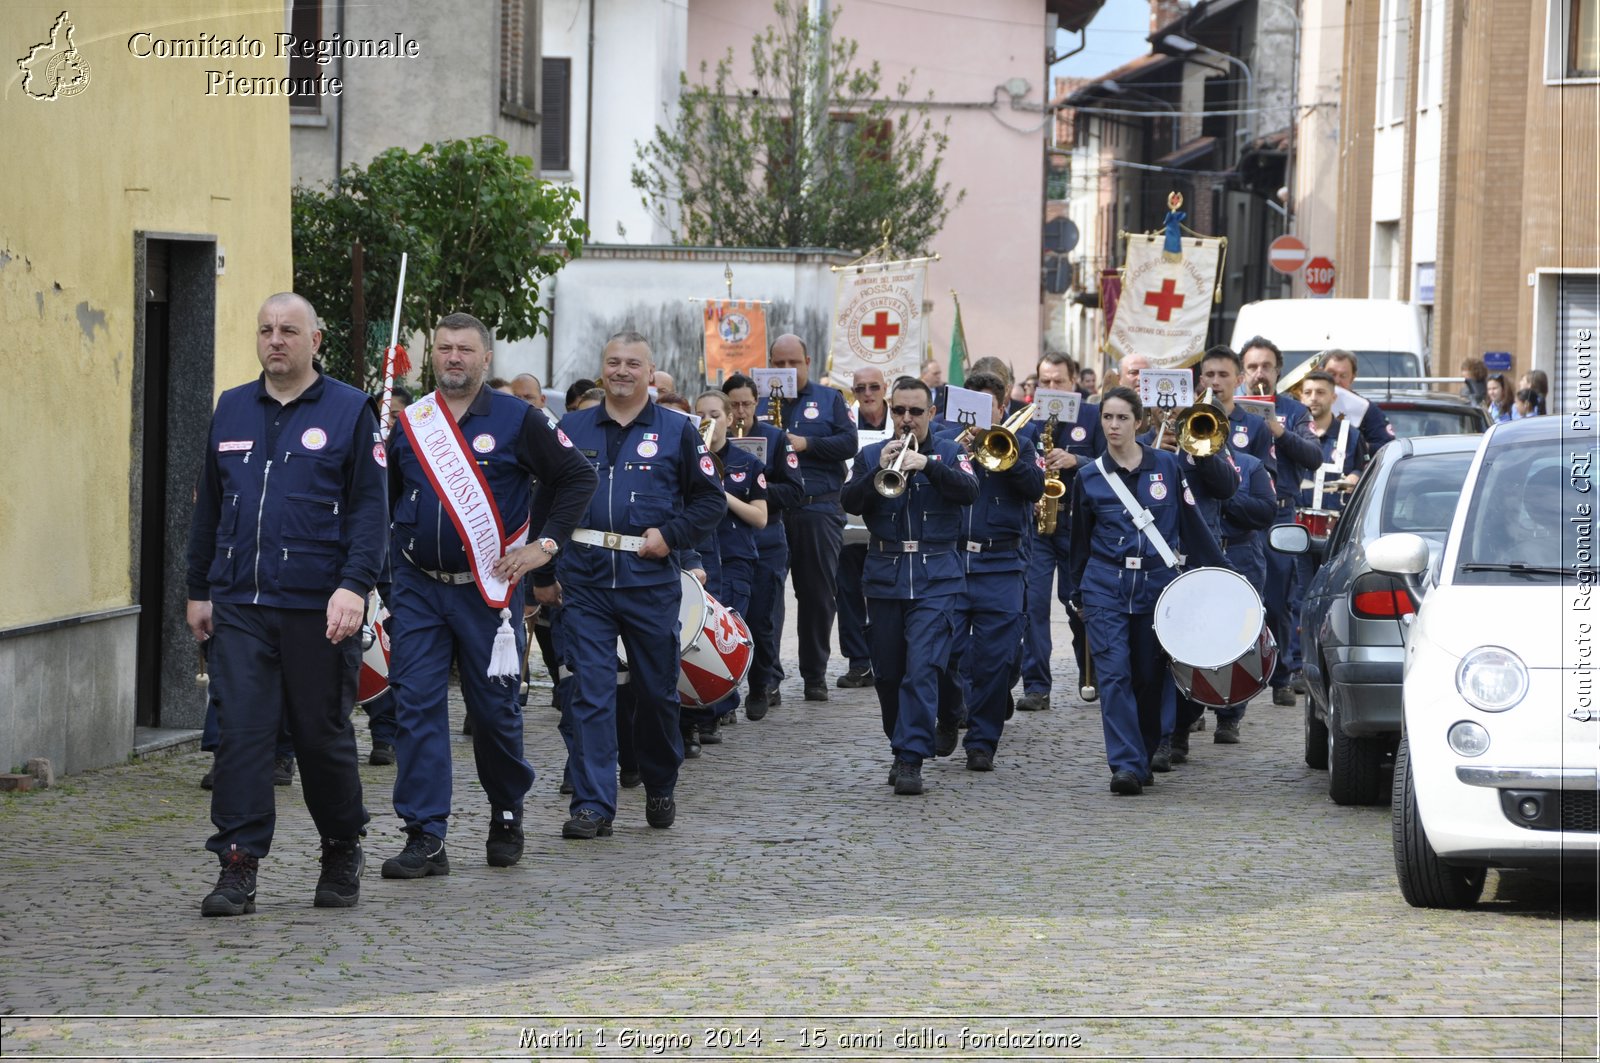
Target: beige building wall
140 147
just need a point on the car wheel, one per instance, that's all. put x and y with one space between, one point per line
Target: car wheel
1355 765
1425 880
1316 739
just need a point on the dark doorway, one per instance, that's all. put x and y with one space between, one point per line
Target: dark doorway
175 286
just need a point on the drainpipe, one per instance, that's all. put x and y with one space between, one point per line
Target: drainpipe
338 109
588 125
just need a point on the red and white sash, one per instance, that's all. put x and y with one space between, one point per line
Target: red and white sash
458 481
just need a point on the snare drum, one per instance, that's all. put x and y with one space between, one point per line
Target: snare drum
1213 626
1319 522
373 679
714 646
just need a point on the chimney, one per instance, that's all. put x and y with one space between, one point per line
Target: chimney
1164 12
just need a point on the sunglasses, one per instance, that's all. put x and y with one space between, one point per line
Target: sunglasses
867 387
901 411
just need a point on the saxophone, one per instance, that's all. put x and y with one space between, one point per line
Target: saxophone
1054 488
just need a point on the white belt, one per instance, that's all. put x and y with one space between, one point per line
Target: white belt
609 540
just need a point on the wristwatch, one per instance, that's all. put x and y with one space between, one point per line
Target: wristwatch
548 545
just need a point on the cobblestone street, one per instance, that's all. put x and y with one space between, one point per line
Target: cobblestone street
1232 911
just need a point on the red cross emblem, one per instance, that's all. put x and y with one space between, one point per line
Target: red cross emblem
1165 301
882 330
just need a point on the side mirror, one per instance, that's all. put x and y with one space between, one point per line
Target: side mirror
1289 539
1399 554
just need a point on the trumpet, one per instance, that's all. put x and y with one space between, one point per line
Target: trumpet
996 449
1055 488
891 482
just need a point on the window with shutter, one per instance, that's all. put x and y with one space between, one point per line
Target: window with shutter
555 116
305 22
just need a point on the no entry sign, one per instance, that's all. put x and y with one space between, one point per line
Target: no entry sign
1319 276
1286 254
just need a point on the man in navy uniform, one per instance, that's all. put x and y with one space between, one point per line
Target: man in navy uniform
992 548
658 493
1073 444
461 515
286 543
913 573
784 490
822 435
1298 455
1367 417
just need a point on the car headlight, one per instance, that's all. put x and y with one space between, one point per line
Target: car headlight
1468 739
1492 679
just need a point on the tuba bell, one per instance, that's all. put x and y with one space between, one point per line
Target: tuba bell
996 449
891 482
1203 428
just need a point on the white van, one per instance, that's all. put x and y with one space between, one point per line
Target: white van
1386 335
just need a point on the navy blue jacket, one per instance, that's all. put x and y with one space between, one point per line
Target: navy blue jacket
1375 430
1249 434
1355 456
1103 534
1082 438
743 477
652 473
927 512
822 416
784 487
1254 506
1002 513
513 444
290 504
1297 449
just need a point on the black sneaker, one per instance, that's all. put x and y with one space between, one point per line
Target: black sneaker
209 779
423 856
1180 747
691 743
774 698
711 733
1161 759
1035 701
757 704
660 812
235 891
1227 733
283 771
894 772
1126 784
382 754
980 760
504 846
908 780
946 736
855 678
585 825
816 692
1283 695
339 885
630 779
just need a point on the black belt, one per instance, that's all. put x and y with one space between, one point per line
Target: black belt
989 546
1237 540
911 546
454 579
831 496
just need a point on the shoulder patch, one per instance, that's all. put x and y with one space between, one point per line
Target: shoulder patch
563 437
706 466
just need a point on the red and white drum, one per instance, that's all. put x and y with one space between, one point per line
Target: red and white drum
373 679
1319 522
1213 626
714 646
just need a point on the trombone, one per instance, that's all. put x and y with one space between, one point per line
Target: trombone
996 449
1290 385
708 428
1203 428
891 482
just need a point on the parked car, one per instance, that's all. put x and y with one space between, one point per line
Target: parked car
1496 765
1430 413
1352 636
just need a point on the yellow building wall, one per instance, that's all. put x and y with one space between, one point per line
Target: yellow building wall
141 147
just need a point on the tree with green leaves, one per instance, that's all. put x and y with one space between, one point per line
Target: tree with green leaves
480 228
811 155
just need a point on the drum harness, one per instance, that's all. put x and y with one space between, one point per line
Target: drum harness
1143 519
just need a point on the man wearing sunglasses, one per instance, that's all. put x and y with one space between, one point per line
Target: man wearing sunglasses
872 414
913 573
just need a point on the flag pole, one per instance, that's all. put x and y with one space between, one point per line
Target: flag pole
393 354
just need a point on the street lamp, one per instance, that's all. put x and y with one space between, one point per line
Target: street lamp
1183 48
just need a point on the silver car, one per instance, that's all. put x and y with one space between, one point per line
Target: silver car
1352 639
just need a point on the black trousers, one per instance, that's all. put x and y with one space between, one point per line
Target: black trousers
814 541
270 665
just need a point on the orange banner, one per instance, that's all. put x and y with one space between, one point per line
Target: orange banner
736 338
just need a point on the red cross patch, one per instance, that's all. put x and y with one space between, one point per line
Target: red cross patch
794 460
706 466
563 437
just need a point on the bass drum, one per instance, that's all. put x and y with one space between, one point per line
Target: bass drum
714 646
1212 624
373 679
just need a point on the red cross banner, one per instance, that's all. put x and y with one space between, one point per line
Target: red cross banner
1164 307
878 321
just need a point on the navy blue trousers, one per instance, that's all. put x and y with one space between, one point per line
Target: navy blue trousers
911 643
1283 594
1046 584
269 666
1137 697
646 619
766 615
853 607
815 537
430 625
989 618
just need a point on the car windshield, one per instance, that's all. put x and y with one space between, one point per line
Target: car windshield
1372 363
1422 491
1530 518
1410 421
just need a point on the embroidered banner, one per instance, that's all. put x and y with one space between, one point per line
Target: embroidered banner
1164 309
736 338
878 321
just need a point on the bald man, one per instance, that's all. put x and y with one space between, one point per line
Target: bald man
525 386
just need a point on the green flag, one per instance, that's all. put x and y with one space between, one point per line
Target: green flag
957 373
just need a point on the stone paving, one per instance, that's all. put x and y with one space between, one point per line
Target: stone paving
798 910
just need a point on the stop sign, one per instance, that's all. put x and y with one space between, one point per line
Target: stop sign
1319 275
1286 254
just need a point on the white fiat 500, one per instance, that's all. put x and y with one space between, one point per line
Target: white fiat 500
1497 761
